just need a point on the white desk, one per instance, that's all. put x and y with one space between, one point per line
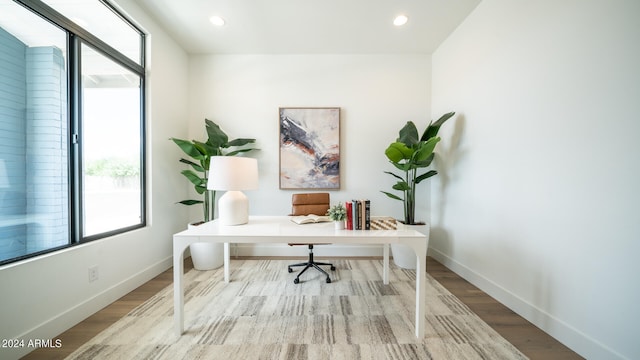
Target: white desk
280 229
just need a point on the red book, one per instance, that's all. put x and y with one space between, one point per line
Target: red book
349 208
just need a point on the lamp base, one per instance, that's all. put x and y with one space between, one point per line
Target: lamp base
234 208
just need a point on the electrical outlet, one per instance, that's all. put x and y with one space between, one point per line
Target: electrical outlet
93 273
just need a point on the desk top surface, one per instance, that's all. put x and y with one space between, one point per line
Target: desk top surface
282 226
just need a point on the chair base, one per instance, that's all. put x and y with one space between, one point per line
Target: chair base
309 264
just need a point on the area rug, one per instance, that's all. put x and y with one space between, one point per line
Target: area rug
262 314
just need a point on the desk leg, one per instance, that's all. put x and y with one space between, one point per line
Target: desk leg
178 287
385 264
421 282
226 262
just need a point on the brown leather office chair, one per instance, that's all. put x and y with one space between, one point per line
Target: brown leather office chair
305 204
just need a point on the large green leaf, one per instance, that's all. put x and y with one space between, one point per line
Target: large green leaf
208 151
205 148
404 167
217 137
190 202
193 177
235 152
409 134
240 142
426 162
195 166
189 148
424 150
392 196
200 189
444 118
398 151
394 175
433 128
401 185
426 175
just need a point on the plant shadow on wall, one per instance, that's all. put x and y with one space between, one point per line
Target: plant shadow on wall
207 256
450 153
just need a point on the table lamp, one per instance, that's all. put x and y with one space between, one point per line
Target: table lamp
233 174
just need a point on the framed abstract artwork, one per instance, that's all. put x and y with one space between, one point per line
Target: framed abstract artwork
309 148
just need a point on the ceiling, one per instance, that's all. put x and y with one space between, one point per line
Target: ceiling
309 26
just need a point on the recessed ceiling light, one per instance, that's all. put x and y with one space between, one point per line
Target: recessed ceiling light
217 20
400 20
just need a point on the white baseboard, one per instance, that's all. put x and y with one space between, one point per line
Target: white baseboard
574 339
79 312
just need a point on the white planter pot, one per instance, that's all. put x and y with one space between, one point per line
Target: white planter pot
339 225
404 256
206 256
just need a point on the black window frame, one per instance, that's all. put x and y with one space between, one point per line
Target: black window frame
76 36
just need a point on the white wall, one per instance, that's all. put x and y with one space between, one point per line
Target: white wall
537 202
377 94
44 296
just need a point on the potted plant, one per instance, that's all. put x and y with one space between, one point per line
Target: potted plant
207 256
337 214
411 155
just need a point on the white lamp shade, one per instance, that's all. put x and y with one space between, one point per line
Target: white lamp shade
233 173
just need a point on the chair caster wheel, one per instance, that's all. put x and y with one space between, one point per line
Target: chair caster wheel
290 271
296 280
333 268
328 281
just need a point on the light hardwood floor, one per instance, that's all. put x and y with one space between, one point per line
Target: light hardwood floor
530 340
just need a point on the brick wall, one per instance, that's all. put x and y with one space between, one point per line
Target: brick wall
33 147
13 99
47 170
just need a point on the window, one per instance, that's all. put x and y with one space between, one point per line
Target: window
100 21
71 125
111 144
